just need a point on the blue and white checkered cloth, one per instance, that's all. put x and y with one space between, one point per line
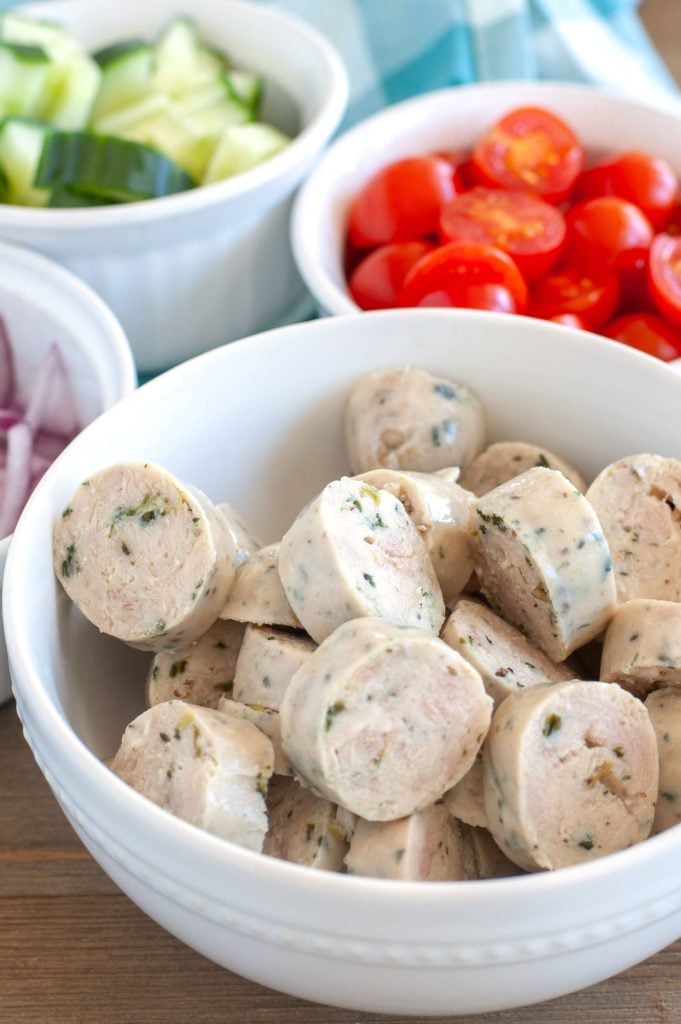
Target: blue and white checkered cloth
399 48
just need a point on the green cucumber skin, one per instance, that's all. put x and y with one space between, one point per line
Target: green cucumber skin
64 198
109 55
27 53
109 168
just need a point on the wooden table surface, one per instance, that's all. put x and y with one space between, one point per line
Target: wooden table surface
74 950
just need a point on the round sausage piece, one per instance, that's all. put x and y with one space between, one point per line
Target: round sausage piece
268 659
267 721
303 827
353 552
245 541
466 800
257 595
543 561
411 419
146 558
204 767
443 513
201 673
506 459
642 646
571 773
505 659
427 846
638 502
487 859
664 708
384 719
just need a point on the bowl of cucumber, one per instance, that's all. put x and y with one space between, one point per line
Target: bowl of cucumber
156 155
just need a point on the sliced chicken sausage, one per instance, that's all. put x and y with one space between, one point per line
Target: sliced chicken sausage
146 558
664 708
571 773
411 419
268 659
267 721
443 514
257 595
638 502
245 541
303 827
202 766
507 459
383 720
201 673
543 561
354 551
642 646
505 659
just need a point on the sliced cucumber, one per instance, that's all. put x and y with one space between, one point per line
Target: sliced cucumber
24 72
175 136
71 92
242 147
247 87
182 62
108 168
121 121
215 120
126 76
21 145
52 38
65 198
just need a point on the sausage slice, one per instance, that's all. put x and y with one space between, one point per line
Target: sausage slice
257 595
383 720
146 558
411 419
352 552
204 767
642 646
201 673
664 708
543 561
303 827
571 773
507 459
268 659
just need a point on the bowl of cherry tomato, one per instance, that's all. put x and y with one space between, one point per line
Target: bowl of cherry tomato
544 199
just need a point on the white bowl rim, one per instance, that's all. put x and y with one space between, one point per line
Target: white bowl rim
66 745
83 296
180 204
338 300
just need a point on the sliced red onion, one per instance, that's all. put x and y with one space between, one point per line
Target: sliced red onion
48 445
17 476
52 404
8 380
8 417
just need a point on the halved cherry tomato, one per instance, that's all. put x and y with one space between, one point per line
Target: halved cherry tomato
634 294
401 202
646 181
525 227
462 168
606 232
376 281
531 150
463 274
593 298
648 333
664 275
569 320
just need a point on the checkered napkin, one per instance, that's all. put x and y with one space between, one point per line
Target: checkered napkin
398 48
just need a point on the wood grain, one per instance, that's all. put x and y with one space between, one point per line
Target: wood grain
74 950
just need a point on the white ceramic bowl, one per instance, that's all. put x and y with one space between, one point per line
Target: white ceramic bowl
191 271
260 423
43 303
451 119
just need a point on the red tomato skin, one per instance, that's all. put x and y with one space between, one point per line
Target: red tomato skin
646 181
664 276
401 202
494 298
453 269
592 298
531 150
569 320
529 230
376 281
634 293
606 232
462 168
647 333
